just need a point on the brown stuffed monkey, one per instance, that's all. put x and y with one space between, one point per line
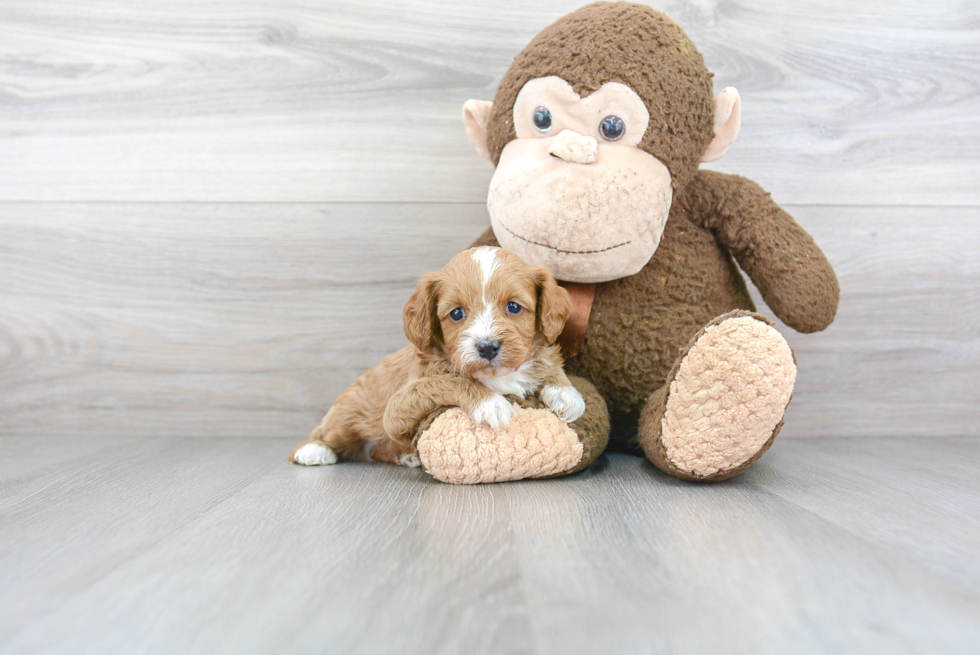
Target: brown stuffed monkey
596 131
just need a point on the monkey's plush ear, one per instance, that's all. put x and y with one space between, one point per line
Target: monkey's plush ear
476 115
728 119
419 314
554 306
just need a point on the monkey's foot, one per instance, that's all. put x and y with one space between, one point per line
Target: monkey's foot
536 444
724 400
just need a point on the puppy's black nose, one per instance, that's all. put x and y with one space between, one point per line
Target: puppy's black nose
488 349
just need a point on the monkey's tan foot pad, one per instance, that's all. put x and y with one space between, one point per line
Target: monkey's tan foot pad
727 398
536 444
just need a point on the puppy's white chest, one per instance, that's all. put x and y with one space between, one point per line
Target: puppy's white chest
518 383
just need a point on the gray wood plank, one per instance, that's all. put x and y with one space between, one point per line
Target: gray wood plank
246 320
210 320
652 564
314 101
219 546
348 559
111 506
902 355
24 460
921 496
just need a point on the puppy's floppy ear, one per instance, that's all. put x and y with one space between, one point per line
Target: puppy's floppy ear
554 306
421 323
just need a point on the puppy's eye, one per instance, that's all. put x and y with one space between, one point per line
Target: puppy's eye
457 315
542 119
514 308
612 128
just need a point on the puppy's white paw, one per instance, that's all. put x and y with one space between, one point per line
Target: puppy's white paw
566 402
495 411
314 454
410 460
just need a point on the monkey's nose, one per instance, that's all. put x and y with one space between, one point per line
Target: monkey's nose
574 148
488 349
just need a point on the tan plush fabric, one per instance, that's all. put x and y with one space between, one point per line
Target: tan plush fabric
651 418
536 444
439 443
728 396
476 113
585 223
728 121
573 147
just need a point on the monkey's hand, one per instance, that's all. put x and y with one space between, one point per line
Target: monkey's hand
792 274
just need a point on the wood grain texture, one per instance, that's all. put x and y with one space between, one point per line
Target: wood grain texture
360 101
247 319
902 356
220 546
242 318
652 564
215 320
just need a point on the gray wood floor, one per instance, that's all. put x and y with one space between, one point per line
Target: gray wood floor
218 546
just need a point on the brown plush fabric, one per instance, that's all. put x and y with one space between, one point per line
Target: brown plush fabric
792 274
631 44
641 326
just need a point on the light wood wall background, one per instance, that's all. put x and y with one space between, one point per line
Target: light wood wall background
212 212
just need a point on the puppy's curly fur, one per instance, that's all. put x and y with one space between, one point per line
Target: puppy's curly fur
482 327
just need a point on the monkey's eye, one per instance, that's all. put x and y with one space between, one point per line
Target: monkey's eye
514 308
542 119
457 315
612 128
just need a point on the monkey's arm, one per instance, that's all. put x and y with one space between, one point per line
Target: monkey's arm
486 239
792 274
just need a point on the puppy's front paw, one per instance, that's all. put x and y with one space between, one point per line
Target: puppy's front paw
495 411
566 402
313 454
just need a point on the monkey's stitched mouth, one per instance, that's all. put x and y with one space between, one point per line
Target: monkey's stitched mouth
567 252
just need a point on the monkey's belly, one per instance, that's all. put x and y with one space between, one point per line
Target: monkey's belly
641 324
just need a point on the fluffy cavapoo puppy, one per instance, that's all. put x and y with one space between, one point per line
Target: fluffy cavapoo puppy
481 328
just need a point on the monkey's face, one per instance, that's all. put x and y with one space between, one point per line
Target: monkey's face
573 192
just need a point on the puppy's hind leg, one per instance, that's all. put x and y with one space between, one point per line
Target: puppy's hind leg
331 441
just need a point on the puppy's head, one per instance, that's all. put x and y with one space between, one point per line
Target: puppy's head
486 311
